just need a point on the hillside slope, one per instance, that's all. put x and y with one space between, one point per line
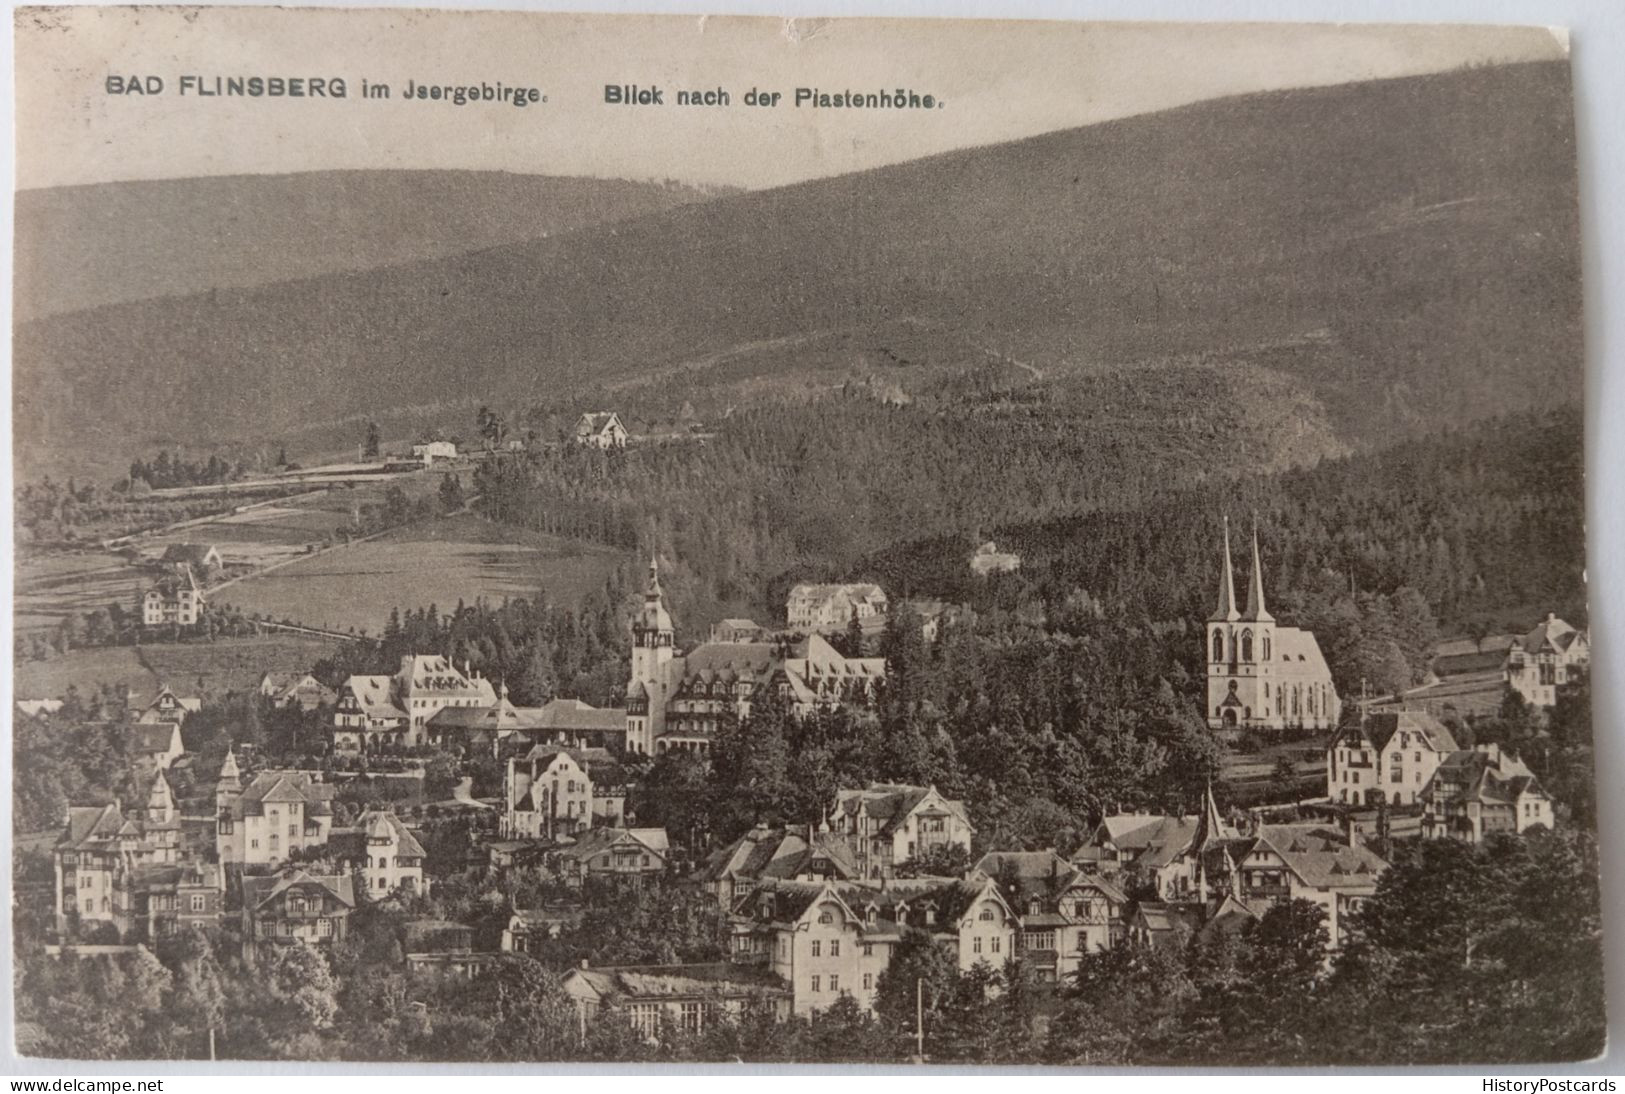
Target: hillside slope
1407 247
87 246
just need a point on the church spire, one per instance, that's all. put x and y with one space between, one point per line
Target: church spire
1210 828
1256 612
1227 585
653 590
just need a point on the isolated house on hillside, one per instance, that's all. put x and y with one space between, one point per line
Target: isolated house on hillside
432 452
832 607
602 430
202 558
174 598
1545 659
988 559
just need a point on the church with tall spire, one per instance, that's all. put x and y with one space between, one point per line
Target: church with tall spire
1261 675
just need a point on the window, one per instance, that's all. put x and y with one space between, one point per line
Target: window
1266 648
1396 776
868 981
976 944
84 881
988 915
1246 645
817 948
692 1017
645 1018
835 948
1218 646
273 841
197 902
826 917
383 883
254 843
293 830
324 927
815 983
834 982
997 943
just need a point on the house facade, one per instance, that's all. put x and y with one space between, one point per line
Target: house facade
1545 659
100 849
652 998
277 813
988 559
786 853
826 940
886 824
547 793
383 852
677 701
294 906
173 599
1477 792
601 430
382 712
832 607
1065 912
290 689
1261 675
614 852
1387 757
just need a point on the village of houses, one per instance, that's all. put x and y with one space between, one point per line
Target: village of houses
814 909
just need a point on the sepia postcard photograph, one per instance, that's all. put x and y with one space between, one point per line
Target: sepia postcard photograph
663 539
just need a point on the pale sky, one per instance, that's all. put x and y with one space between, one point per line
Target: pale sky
999 81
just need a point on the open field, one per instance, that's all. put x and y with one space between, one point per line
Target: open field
49 587
231 664
438 562
85 669
227 664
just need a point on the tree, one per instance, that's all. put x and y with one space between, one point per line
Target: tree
451 494
941 860
370 446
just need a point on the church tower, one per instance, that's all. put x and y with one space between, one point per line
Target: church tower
1242 651
653 647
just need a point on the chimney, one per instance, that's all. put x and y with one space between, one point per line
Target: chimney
1351 830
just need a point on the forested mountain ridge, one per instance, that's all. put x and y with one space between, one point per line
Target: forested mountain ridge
1404 248
78 245
1485 523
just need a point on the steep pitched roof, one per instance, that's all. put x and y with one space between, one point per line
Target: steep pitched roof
1318 856
597 840
1382 726
780 853
257 891
893 803
1551 634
